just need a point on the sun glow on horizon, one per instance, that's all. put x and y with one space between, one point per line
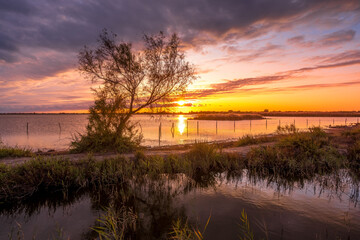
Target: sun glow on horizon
181 102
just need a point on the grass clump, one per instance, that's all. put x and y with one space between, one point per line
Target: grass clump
352 140
353 155
115 223
6 151
300 154
287 129
183 231
246 233
249 139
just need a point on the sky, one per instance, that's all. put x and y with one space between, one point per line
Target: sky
286 55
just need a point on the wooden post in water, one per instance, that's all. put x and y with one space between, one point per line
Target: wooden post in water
197 127
234 125
60 127
307 123
266 124
27 128
159 133
357 120
279 123
187 127
250 124
172 130
345 121
216 127
294 122
333 121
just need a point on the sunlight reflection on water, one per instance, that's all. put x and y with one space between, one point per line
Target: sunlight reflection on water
57 131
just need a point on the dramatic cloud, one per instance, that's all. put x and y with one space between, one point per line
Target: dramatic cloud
41 39
68 25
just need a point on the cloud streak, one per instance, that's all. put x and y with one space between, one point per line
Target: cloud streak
237 85
328 40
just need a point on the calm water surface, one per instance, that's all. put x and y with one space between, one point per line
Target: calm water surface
324 208
46 132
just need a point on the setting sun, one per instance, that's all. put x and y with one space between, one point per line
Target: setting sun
181 102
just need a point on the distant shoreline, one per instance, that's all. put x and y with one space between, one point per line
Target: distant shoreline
264 114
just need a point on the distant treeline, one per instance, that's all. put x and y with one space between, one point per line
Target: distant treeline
227 116
34 113
262 113
312 114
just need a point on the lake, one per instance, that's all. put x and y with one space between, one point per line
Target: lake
322 208
45 132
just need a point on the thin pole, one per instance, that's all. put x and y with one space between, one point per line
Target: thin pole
234 125
345 121
279 122
294 122
197 128
60 127
307 122
172 130
266 123
333 121
27 128
187 127
159 133
216 128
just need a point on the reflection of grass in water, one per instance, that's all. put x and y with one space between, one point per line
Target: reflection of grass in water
19 235
183 231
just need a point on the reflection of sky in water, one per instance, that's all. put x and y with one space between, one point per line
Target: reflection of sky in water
299 211
46 133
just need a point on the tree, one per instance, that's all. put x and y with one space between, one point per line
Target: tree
129 81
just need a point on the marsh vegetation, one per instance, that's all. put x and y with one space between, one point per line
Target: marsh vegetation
130 194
